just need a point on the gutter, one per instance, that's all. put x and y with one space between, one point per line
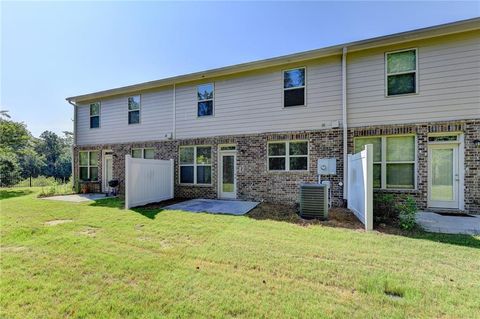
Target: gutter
74 136
344 122
174 128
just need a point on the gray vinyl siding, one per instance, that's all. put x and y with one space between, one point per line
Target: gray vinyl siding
249 103
156 119
253 103
449 83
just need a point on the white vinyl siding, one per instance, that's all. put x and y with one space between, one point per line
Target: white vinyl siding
156 120
448 83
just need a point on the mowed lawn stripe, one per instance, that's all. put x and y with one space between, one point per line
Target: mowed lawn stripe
107 262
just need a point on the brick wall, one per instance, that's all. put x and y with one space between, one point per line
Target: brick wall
471 131
255 182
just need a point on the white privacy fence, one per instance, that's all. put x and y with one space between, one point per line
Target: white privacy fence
360 185
147 181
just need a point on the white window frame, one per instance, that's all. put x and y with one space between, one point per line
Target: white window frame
139 110
383 163
287 156
143 151
90 115
195 165
296 87
88 166
400 73
205 100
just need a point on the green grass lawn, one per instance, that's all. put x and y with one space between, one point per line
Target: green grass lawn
107 262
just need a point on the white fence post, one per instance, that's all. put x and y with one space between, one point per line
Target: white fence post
360 185
368 180
127 179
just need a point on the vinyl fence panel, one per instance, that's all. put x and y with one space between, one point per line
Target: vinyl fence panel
360 185
147 181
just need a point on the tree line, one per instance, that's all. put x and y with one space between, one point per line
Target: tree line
23 156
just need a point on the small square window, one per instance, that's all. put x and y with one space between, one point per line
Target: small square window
137 153
149 153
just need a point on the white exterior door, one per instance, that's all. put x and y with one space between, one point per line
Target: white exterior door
228 175
107 171
443 176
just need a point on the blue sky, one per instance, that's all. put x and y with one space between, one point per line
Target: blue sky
51 50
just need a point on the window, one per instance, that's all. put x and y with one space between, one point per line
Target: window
288 156
394 159
134 109
196 165
146 153
294 87
88 163
95 115
401 70
205 94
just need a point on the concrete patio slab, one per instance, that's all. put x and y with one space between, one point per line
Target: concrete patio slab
215 206
437 223
77 198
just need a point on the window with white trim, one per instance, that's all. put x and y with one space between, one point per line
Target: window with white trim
195 165
88 164
95 115
394 160
146 153
294 87
134 109
205 93
288 156
401 72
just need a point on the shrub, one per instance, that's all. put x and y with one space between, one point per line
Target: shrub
407 211
384 208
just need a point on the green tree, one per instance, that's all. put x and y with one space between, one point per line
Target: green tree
31 164
9 168
14 136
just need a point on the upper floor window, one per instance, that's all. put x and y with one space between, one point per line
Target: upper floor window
294 87
401 68
288 156
88 163
134 109
196 165
205 93
394 160
95 115
146 153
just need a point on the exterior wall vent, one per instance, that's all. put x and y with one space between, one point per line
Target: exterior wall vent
314 201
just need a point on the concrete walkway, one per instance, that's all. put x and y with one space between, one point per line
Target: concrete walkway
437 223
215 206
78 198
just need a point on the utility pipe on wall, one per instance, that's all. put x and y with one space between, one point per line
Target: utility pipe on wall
174 112
74 136
344 122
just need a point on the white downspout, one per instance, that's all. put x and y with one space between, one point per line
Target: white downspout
174 112
74 136
344 122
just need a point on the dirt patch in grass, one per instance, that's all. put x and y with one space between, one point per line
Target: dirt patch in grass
89 232
58 222
13 248
338 217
